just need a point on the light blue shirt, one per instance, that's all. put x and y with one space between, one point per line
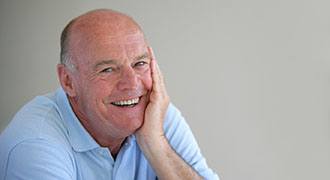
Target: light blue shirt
45 140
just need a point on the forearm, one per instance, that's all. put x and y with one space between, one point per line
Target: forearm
165 161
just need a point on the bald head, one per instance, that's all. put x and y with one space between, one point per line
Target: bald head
94 26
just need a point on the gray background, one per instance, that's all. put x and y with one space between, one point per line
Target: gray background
251 77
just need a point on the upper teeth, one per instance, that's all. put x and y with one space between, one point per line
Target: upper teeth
127 102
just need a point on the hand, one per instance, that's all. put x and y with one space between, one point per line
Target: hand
152 127
151 138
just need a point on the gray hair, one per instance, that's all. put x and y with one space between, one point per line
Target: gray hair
66 57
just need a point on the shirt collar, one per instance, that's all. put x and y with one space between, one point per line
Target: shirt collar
79 138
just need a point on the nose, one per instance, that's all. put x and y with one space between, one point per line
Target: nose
128 79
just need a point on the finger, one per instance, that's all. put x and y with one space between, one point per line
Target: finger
151 52
152 60
158 79
154 70
160 75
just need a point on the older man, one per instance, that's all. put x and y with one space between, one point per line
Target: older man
110 120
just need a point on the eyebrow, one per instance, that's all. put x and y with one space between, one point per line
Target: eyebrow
104 62
145 55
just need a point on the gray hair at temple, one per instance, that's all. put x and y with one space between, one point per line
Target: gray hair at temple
66 58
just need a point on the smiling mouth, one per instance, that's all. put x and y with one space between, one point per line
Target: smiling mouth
127 103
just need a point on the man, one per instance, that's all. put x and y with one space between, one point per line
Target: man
111 118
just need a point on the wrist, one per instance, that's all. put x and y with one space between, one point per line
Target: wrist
150 137
152 142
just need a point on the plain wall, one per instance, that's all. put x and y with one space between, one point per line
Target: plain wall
251 77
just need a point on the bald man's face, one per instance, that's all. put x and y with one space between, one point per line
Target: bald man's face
112 81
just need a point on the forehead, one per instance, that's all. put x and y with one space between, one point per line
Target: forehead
96 47
131 43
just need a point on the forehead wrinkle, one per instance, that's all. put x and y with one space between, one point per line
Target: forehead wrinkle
122 39
82 44
126 38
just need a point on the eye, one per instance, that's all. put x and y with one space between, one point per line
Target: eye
140 63
107 70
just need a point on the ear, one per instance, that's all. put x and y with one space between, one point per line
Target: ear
65 77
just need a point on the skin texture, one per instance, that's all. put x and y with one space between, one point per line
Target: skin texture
113 62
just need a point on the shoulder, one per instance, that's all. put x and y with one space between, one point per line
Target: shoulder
36 131
178 131
174 123
184 143
39 118
39 158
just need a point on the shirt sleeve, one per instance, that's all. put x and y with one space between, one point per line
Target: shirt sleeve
39 159
183 142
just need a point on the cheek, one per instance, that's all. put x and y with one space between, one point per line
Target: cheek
102 89
96 91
